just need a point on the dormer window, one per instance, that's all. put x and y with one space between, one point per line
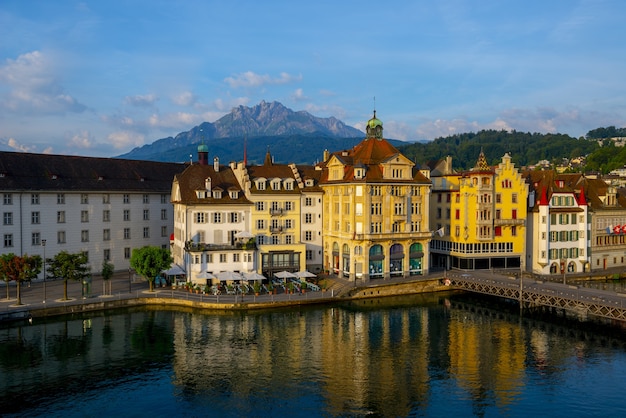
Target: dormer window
234 194
260 184
309 183
217 194
276 185
359 173
289 184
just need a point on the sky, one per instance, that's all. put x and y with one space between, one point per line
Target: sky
99 78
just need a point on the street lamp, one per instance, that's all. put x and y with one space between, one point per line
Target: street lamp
43 244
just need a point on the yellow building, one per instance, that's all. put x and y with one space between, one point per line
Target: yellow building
375 211
479 216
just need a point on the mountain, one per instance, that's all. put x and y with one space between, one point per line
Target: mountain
297 137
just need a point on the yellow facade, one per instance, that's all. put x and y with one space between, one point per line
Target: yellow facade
375 211
481 216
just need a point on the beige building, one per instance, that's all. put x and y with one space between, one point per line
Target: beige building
375 211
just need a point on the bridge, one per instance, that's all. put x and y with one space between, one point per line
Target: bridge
530 292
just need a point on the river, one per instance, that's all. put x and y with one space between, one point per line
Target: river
427 355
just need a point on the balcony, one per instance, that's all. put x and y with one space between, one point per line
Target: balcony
276 212
276 229
509 222
194 247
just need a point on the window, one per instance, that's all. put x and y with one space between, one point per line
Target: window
308 218
376 190
200 217
275 240
126 198
60 198
217 217
164 231
223 258
60 237
288 239
235 258
498 198
84 235
106 235
106 199
126 253
106 215
309 254
36 238
398 209
415 208
84 216
61 217
514 231
127 214
8 199
260 224
146 232
34 199
288 223
288 205
514 213
514 198
457 214
260 185
7 218
498 231
260 206
233 217
376 209
164 214
34 218
164 199
126 233
146 199
84 198
107 255
146 214
8 240
308 201
308 235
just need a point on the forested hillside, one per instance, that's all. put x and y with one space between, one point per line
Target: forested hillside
524 148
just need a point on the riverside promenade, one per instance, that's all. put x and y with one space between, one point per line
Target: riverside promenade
128 290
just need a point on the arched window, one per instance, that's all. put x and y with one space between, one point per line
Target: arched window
376 259
396 259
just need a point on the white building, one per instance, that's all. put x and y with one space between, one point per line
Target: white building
102 206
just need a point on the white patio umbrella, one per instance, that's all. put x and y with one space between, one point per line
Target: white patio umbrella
253 276
243 234
205 275
174 270
224 276
305 274
285 275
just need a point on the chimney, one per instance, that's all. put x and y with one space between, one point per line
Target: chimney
216 164
326 155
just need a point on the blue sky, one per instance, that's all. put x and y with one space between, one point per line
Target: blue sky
98 78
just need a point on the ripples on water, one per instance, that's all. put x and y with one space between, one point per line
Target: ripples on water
411 356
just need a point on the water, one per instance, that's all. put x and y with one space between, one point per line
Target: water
428 355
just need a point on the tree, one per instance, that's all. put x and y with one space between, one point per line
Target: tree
4 260
150 261
107 273
19 269
69 266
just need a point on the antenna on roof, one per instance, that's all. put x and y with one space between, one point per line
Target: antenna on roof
374 104
190 159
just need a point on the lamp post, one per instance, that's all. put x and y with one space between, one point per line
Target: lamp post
43 244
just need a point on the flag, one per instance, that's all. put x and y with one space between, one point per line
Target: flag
617 229
440 232
608 229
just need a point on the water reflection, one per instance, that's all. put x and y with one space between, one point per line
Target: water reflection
423 355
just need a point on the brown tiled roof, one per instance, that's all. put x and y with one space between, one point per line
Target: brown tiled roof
42 172
194 178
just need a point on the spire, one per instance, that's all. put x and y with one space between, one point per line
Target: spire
268 158
481 164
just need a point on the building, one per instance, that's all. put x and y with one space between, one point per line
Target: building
478 216
558 227
102 206
212 219
375 222
286 214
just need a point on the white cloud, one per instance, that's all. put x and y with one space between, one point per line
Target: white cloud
185 98
125 139
141 100
82 140
16 146
33 86
251 79
298 96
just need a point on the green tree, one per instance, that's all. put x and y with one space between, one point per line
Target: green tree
149 261
69 266
19 269
107 273
4 260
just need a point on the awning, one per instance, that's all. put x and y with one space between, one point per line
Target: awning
174 270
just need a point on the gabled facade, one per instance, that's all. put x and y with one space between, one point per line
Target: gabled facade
105 207
375 211
559 223
212 221
283 200
478 216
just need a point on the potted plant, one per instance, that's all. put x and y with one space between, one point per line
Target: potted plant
257 288
290 287
303 287
207 289
270 288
